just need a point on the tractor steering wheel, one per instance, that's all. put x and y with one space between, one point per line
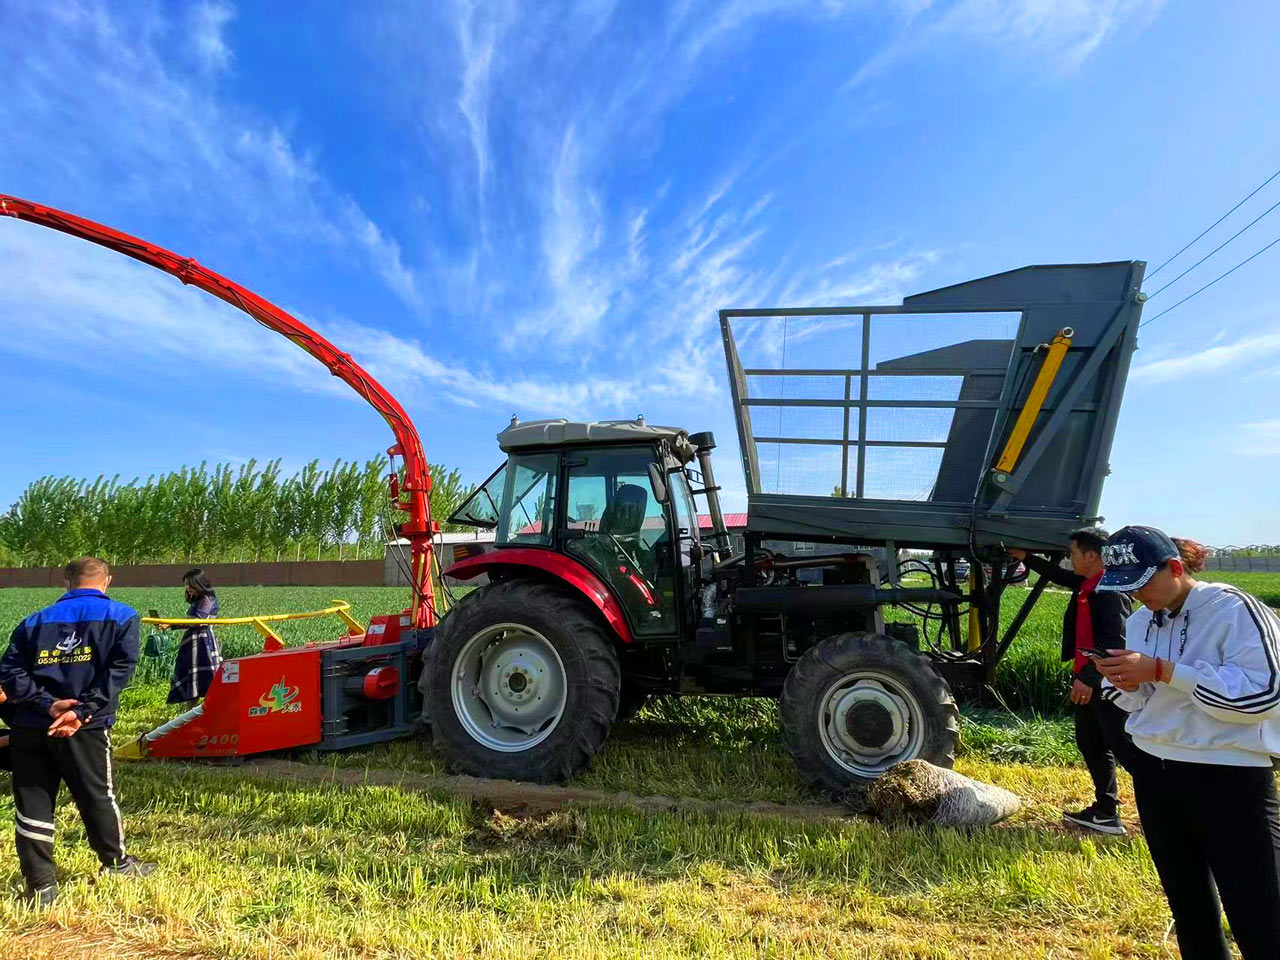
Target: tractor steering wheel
635 564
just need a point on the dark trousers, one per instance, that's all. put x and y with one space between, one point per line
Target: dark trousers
1102 741
40 765
1213 826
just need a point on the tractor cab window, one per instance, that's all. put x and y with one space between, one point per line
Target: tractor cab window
615 524
481 509
682 500
527 510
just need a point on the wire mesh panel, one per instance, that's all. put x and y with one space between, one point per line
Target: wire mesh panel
800 469
876 405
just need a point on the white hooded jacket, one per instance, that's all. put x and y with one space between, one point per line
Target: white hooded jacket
1222 704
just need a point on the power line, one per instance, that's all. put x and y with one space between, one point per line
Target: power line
1212 225
1214 250
1210 283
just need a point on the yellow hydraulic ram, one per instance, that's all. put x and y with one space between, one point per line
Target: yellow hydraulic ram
271 639
1055 353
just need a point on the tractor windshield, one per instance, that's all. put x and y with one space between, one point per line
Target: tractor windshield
528 506
518 499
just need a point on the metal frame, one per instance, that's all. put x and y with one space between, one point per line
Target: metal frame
738 384
1101 302
336 700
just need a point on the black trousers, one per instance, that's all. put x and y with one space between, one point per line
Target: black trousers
1214 826
1102 742
41 763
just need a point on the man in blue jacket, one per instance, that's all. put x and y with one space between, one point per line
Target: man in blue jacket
63 673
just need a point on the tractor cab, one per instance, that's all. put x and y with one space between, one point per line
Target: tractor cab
614 497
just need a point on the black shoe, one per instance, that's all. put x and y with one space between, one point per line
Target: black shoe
1090 819
129 867
41 897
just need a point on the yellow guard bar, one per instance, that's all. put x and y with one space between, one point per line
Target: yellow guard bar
1035 400
339 609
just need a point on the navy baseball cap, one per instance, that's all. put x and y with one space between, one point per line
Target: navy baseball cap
1132 556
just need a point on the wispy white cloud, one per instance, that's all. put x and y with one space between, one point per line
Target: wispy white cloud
71 303
537 125
480 25
207 23
1059 34
1258 439
1246 351
166 140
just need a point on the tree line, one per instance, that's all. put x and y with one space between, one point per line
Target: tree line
209 515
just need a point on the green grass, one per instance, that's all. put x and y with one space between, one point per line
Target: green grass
275 868
1264 586
254 867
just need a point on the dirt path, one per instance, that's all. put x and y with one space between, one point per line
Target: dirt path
510 796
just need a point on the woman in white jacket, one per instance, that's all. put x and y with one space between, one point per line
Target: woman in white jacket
1201 681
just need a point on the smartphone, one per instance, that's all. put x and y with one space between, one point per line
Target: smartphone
1093 654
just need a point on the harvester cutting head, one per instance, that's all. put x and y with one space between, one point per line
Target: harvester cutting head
343 693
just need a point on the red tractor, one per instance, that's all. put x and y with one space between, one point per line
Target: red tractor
965 420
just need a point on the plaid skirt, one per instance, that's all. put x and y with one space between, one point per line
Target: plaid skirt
197 662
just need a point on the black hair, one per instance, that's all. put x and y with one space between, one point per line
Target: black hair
85 568
1089 539
195 577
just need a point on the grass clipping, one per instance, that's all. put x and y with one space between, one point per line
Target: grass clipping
919 792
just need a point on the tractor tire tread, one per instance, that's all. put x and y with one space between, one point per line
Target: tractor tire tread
563 614
823 663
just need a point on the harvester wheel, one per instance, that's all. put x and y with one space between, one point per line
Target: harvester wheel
523 683
856 704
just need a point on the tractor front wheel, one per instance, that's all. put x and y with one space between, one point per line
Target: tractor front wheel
856 704
522 683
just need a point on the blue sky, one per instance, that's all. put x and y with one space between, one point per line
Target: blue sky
537 208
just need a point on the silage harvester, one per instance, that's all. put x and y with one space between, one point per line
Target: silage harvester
940 432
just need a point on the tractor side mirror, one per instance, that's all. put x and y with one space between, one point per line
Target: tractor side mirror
658 481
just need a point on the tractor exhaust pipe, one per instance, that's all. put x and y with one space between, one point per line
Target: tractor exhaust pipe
703 444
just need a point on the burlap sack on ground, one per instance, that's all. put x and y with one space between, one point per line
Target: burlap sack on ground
919 792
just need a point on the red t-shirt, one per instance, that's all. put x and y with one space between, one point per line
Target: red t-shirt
1084 622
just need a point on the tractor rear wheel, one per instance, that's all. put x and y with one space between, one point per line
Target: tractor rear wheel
522 683
856 704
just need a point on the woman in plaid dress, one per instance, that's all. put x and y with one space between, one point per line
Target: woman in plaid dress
198 651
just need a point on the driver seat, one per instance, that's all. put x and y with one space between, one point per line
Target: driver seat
624 516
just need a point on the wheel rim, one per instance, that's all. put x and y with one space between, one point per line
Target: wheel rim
509 687
869 721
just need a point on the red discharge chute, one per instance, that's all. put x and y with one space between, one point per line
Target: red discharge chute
413 496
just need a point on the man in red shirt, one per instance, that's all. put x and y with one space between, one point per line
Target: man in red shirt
1093 621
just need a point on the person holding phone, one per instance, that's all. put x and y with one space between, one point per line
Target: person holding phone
1092 621
1200 679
